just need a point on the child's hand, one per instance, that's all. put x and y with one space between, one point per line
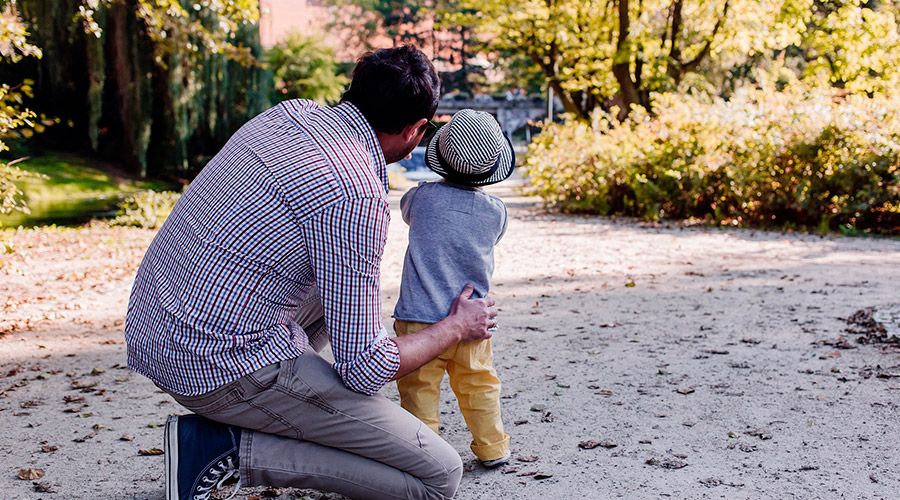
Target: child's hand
474 316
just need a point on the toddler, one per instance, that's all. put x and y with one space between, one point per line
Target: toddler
453 227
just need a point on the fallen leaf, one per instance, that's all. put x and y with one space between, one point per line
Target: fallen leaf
540 476
29 474
538 407
760 433
685 390
42 487
150 452
528 458
590 444
126 437
49 448
666 463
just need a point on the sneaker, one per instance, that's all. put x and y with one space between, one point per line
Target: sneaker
497 462
201 455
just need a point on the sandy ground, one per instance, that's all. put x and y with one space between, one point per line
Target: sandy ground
705 361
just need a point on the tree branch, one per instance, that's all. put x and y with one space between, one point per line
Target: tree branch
690 65
674 67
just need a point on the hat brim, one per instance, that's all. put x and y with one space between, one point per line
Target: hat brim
506 163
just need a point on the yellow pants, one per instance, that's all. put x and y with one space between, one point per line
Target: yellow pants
473 380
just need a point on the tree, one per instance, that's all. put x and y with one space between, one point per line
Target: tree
158 85
362 22
437 27
618 52
604 53
854 45
304 67
15 120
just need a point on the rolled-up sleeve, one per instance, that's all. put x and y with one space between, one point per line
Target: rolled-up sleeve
345 244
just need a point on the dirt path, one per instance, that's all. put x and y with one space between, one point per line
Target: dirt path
698 358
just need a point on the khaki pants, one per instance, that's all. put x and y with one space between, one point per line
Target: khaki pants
303 428
473 380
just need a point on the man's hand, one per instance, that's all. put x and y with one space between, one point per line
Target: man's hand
474 317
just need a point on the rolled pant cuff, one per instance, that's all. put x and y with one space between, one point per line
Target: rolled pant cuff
491 451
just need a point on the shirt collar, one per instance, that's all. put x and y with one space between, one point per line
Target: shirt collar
354 117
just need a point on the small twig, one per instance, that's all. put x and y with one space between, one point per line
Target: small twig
17 161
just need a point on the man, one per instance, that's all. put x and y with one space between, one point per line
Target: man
296 200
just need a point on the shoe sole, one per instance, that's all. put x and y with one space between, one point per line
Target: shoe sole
171 450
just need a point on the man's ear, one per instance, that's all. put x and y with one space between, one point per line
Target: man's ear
410 131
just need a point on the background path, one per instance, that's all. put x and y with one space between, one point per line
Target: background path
703 363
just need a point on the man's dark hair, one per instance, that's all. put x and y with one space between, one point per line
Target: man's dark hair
394 88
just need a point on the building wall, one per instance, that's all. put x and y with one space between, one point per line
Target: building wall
280 17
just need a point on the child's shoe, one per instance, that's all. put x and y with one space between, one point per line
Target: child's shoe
497 462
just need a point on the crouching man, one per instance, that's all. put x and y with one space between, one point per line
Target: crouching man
296 200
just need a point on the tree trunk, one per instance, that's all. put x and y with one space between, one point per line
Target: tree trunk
622 63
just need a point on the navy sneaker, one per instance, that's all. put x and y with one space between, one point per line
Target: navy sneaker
201 456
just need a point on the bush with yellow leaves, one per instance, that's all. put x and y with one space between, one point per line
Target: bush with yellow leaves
801 157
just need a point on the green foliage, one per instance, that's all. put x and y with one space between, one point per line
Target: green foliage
148 209
62 188
805 156
594 51
158 85
175 26
304 67
363 21
15 119
854 45
601 53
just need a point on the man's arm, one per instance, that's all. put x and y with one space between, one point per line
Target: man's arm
345 244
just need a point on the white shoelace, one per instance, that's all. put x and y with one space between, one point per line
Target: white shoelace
216 477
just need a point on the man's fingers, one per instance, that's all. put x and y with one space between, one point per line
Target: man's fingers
492 313
489 301
467 291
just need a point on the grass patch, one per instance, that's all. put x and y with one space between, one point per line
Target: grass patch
71 190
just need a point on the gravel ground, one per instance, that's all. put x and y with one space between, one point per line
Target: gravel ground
701 362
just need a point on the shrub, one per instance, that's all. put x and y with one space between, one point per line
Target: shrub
147 209
800 157
304 67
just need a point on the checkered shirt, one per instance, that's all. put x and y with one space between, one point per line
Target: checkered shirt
296 197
